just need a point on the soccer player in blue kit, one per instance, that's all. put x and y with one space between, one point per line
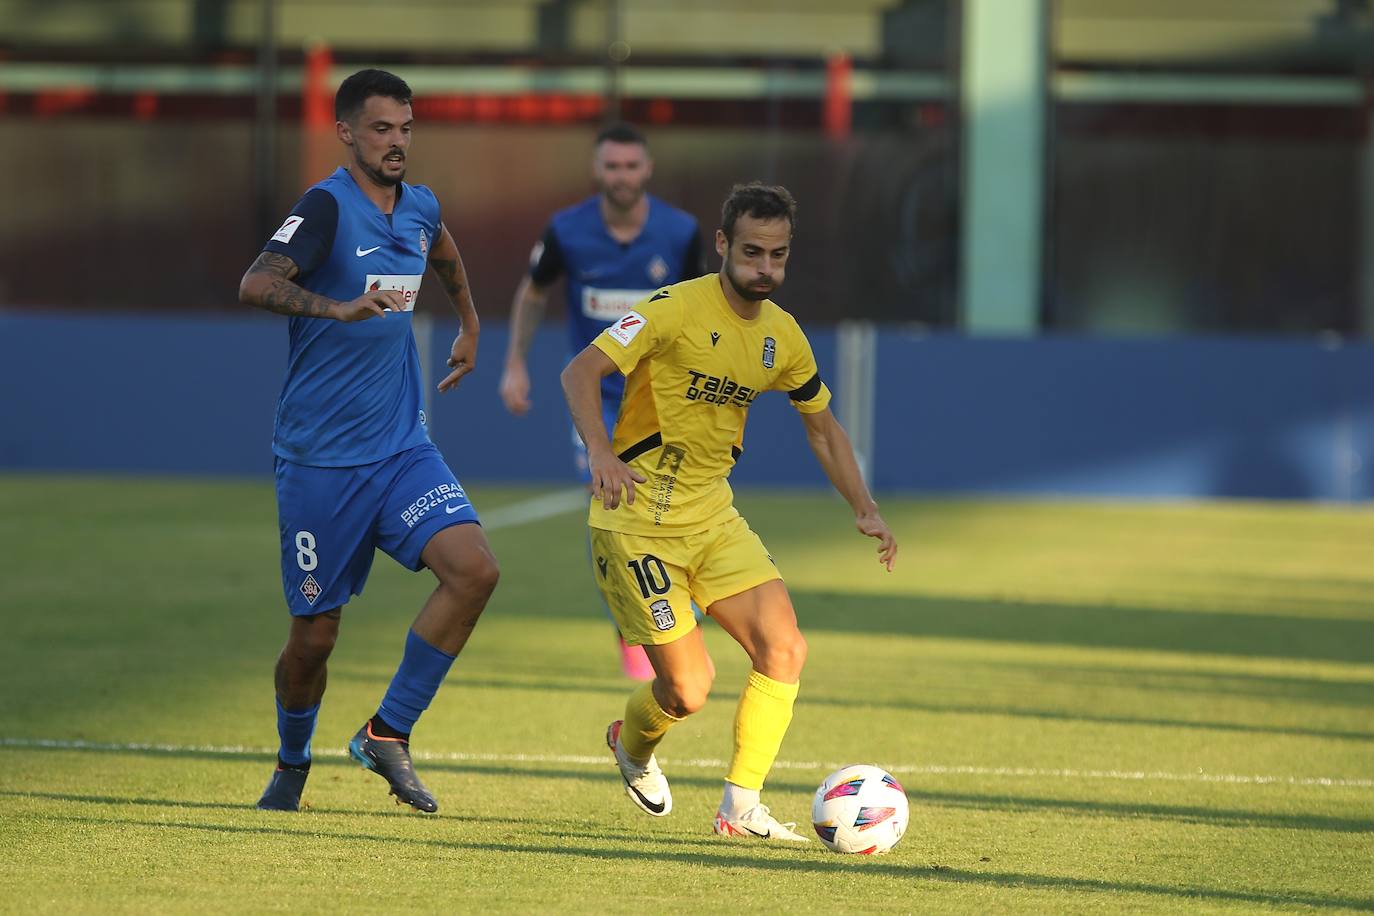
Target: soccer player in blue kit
355 468
613 249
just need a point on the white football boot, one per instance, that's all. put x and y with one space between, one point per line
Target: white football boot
758 823
646 785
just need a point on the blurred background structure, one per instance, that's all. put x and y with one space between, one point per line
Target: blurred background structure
1109 247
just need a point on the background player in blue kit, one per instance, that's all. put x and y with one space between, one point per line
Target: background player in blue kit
612 249
355 467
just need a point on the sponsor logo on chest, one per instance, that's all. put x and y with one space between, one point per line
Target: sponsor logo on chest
719 390
610 304
407 284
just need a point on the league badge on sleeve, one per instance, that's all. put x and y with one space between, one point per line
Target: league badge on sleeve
288 229
624 330
424 242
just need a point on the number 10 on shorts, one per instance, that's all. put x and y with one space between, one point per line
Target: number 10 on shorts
651 575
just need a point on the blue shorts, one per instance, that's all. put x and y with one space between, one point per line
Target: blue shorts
610 409
332 519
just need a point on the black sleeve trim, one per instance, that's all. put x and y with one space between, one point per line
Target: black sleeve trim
735 452
314 239
808 391
551 264
640 447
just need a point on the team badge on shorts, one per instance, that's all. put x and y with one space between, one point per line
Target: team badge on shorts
770 350
311 590
664 618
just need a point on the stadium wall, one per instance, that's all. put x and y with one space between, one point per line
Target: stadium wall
1151 418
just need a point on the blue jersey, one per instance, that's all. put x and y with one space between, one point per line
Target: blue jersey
352 394
606 278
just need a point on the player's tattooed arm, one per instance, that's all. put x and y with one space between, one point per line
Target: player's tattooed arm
269 285
448 266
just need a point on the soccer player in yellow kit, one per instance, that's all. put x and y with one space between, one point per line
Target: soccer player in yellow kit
664 526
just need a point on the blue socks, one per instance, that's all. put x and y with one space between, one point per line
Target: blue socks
422 670
295 726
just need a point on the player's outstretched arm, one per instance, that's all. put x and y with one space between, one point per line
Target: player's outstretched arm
268 285
582 387
836 454
447 264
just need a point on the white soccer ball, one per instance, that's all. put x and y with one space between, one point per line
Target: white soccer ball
860 808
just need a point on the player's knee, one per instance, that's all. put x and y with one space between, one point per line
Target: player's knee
784 656
687 694
482 574
474 577
312 645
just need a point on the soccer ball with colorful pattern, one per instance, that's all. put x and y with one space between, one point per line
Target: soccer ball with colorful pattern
860 809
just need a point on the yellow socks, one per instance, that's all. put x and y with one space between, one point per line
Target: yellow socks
645 724
765 711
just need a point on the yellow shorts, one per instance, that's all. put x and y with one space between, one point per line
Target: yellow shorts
647 581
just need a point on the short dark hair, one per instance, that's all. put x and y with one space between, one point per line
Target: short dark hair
760 201
620 132
357 89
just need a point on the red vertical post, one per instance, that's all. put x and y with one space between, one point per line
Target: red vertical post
317 113
838 97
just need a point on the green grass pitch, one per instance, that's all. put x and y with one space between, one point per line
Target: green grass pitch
1094 708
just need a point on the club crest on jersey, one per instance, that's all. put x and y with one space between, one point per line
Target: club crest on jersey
658 269
311 590
770 350
424 242
664 618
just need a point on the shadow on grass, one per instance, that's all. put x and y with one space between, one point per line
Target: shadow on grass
1096 626
811 861
725 692
1186 814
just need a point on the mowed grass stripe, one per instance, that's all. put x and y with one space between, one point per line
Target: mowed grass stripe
707 763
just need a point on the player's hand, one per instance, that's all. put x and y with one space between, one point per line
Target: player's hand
371 304
515 388
609 476
462 358
873 526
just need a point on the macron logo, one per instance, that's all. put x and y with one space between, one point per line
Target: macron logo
364 252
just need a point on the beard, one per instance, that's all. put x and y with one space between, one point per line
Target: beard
381 177
746 292
623 198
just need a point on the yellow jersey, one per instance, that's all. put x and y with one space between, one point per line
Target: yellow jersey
693 367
